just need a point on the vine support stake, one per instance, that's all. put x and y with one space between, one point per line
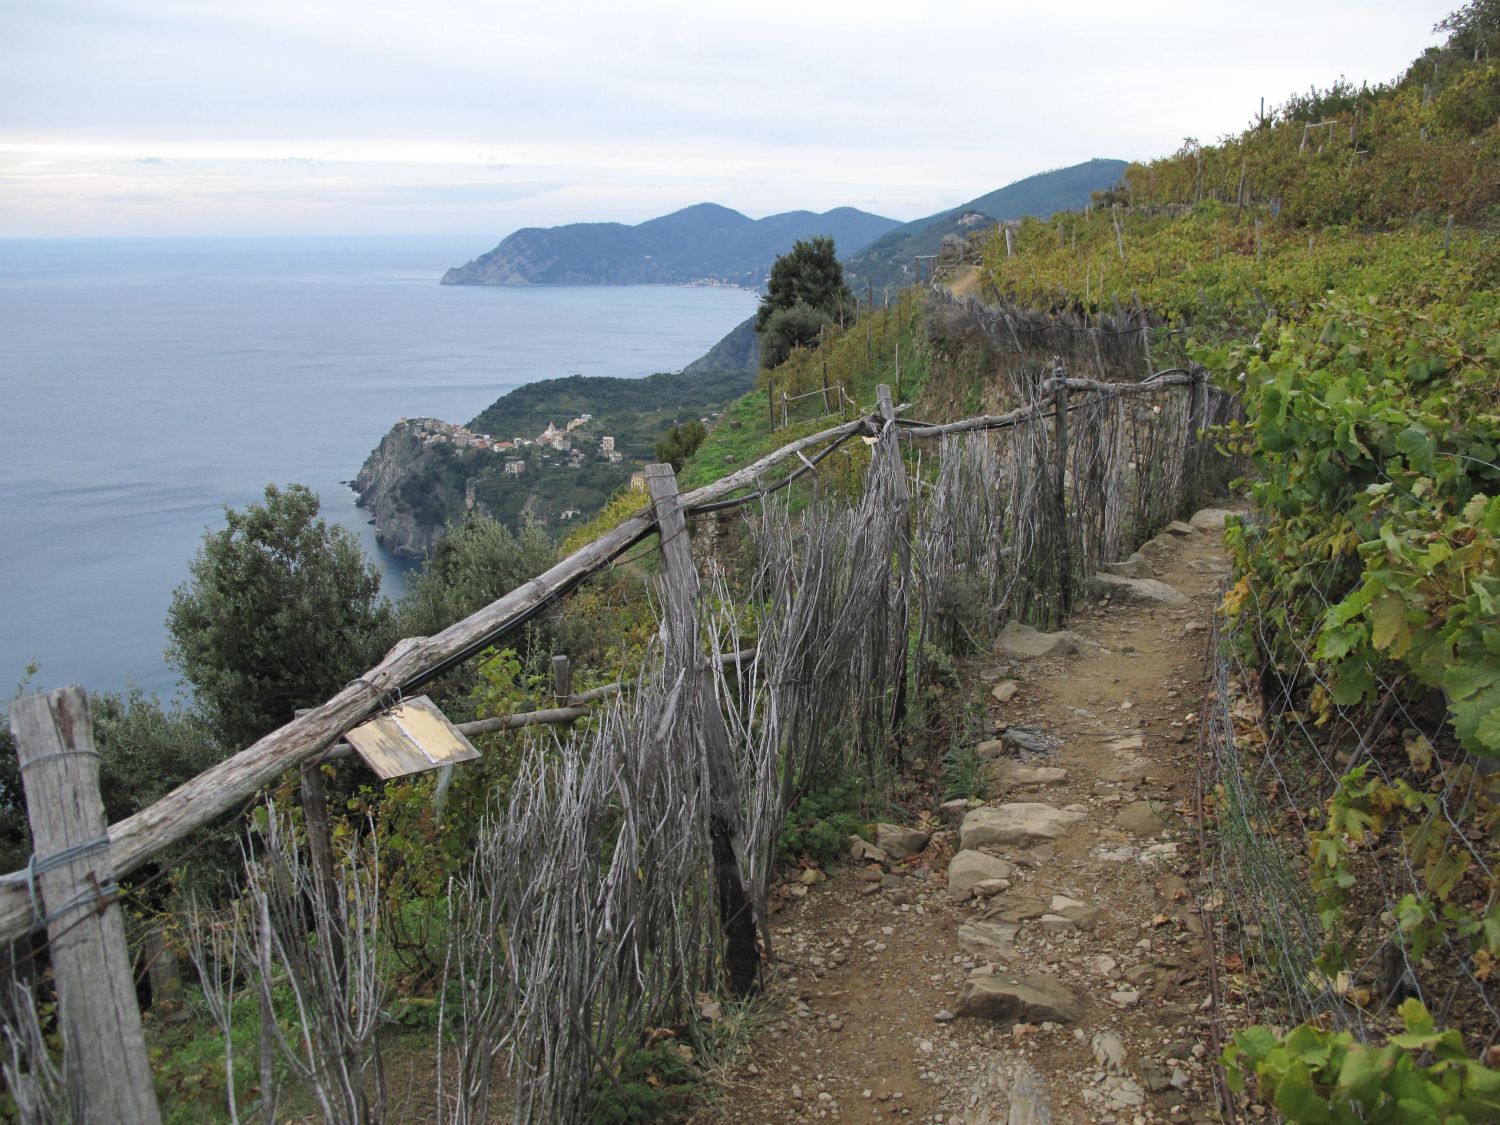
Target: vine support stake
685 652
889 447
1060 486
320 853
562 679
107 1070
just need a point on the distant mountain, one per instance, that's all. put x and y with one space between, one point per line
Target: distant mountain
888 260
705 243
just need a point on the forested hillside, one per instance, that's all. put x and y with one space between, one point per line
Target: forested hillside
888 261
705 243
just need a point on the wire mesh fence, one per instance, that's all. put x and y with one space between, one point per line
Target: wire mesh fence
1328 915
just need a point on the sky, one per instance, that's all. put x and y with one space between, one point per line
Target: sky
306 117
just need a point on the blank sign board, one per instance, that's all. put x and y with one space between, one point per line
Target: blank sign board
411 738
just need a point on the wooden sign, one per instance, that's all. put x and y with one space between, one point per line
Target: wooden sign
411 738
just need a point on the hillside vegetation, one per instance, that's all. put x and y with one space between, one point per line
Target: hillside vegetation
1337 264
887 261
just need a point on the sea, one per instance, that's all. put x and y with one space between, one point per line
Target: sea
146 384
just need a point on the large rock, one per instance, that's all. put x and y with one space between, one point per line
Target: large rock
1210 519
1023 642
1181 530
1135 566
1004 774
970 870
1140 818
990 940
1018 998
1080 913
1135 591
898 842
1022 822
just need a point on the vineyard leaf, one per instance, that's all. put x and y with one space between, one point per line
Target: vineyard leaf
1361 1073
1299 1100
1389 631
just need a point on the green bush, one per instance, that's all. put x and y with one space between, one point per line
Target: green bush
820 825
1317 1077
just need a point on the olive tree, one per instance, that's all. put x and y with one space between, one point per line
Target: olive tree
806 290
280 612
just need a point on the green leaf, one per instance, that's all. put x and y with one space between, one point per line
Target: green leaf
1488 730
1389 631
1299 1100
1465 680
1362 1072
1469 714
1415 1017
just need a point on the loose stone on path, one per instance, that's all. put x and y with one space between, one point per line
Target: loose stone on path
1023 823
1018 998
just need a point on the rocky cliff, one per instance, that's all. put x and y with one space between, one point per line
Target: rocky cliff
408 486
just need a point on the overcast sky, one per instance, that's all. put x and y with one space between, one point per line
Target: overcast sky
206 117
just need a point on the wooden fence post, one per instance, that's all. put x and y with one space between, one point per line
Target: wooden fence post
1196 399
1060 486
562 679
891 448
680 577
320 851
107 1069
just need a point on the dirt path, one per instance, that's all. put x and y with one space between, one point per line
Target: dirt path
1095 997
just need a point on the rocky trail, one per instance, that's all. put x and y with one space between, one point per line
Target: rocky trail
1038 956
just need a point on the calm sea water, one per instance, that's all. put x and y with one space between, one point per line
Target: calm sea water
147 383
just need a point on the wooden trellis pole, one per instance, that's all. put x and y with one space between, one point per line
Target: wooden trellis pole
1060 486
889 448
107 1069
680 578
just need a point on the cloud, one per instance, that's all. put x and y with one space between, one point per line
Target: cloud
608 110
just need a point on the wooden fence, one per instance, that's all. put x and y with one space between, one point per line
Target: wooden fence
70 886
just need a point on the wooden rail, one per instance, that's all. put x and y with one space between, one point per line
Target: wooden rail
412 663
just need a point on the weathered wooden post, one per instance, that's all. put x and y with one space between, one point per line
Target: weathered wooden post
104 1059
680 578
1197 420
890 448
1196 403
1060 486
320 851
162 969
562 679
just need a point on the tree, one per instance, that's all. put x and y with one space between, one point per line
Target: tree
806 291
679 443
1473 29
475 563
280 612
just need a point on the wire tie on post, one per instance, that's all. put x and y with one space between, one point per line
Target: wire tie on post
383 698
36 867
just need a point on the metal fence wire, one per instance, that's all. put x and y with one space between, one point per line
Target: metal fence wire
1269 770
